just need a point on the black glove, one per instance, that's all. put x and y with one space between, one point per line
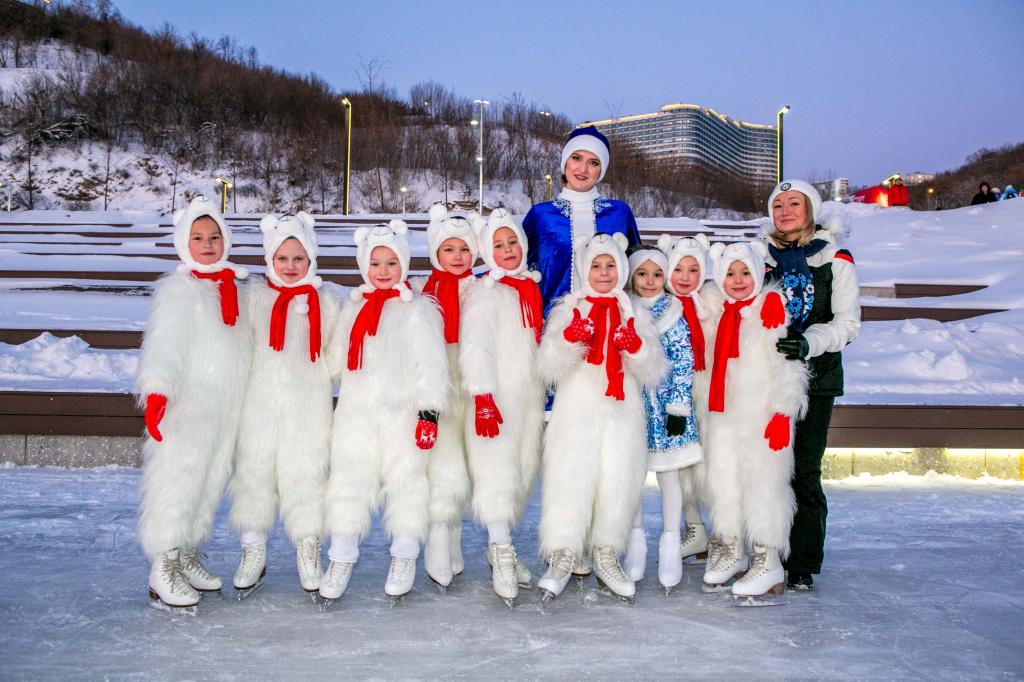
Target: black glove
428 416
794 346
675 425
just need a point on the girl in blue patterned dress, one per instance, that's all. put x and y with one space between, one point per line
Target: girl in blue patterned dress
672 440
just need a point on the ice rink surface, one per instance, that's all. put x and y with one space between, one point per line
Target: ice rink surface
924 579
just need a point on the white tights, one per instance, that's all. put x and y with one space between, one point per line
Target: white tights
672 507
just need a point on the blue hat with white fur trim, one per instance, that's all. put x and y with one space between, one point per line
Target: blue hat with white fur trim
588 139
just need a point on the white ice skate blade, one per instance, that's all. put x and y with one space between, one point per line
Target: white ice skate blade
396 599
546 596
768 599
695 560
243 593
715 589
631 600
160 605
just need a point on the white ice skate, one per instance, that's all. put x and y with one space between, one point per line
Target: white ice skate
437 555
764 582
560 569
523 575
583 568
401 575
695 544
335 581
168 588
502 559
635 562
307 558
670 560
730 561
458 563
196 574
610 574
251 571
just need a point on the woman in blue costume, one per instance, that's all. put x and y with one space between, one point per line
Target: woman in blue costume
579 209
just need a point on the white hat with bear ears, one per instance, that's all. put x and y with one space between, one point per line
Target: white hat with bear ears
752 254
444 225
586 249
276 230
201 207
485 231
393 236
677 249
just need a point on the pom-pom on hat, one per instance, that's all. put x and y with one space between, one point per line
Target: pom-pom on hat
393 235
588 139
800 186
752 254
201 207
444 225
677 249
278 229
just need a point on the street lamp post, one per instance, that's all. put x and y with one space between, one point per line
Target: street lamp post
224 185
931 198
348 149
778 142
403 190
547 181
480 158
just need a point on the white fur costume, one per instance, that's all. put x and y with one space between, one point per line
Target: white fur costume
284 440
447 470
404 370
200 364
498 356
744 482
595 446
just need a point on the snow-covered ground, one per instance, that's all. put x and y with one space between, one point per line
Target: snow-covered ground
922 580
978 361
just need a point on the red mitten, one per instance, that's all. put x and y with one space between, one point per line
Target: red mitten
426 430
579 329
156 405
487 416
777 431
625 338
773 313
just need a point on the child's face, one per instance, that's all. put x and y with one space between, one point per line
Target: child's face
739 283
648 280
205 242
384 271
789 212
603 274
686 276
291 263
454 256
508 252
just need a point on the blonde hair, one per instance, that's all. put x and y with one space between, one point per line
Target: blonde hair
806 232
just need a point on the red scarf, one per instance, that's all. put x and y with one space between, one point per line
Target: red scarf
604 313
531 305
696 333
279 317
444 286
228 293
727 345
366 323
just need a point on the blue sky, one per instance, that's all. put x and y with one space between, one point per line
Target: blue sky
875 87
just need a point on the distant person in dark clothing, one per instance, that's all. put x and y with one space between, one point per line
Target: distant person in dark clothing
899 195
984 195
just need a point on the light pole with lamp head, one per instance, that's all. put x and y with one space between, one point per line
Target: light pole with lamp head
224 185
348 149
480 157
547 181
778 143
403 189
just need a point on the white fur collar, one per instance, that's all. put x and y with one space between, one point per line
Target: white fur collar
574 197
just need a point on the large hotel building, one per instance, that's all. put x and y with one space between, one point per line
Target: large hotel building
687 133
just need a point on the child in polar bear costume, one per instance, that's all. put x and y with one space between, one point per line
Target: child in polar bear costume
599 354
747 406
388 344
284 441
502 317
451 245
191 378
